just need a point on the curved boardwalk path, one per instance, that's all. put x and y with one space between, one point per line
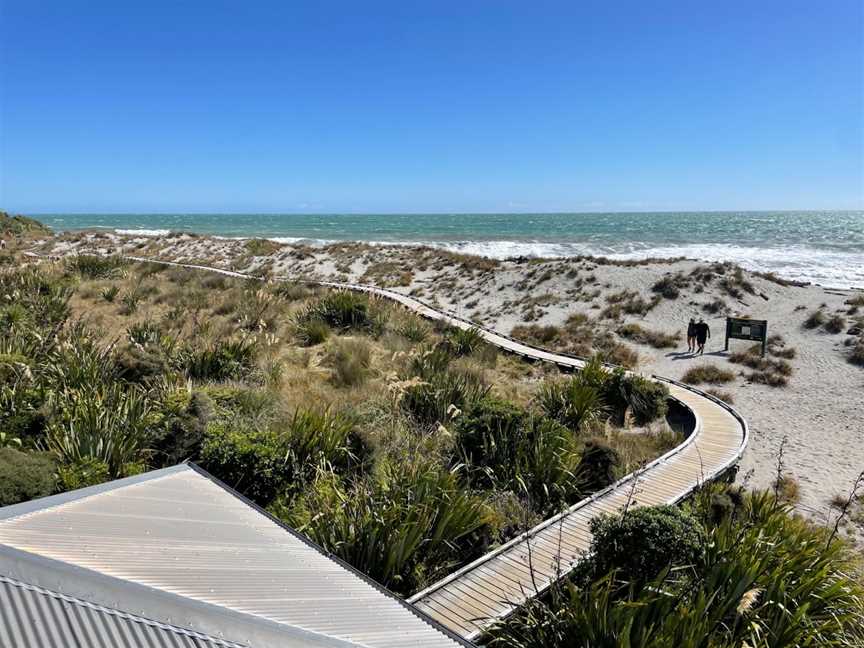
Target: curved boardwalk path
493 586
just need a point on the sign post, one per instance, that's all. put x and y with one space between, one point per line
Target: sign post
738 328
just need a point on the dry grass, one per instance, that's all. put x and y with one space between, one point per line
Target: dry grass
724 396
787 489
708 373
640 335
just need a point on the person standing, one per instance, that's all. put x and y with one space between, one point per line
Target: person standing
691 336
702 334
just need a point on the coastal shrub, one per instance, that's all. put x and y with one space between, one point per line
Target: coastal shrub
598 467
261 247
180 434
657 339
91 266
110 293
815 319
349 359
433 397
247 457
644 541
462 342
487 431
310 332
341 309
707 373
767 377
137 364
670 286
506 448
724 396
835 324
219 360
403 528
321 437
573 402
715 306
25 475
642 399
88 472
103 421
413 328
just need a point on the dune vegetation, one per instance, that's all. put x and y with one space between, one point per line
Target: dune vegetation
405 448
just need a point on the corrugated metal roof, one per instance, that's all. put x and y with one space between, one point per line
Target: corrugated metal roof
176 547
33 617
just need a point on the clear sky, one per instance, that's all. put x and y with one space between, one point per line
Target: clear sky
432 106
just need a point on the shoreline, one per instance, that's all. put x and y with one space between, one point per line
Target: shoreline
537 251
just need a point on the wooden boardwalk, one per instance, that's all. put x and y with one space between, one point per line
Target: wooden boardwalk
493 586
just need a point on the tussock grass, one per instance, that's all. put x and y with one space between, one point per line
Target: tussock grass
835 324
815 319
708 373
657 339
350 360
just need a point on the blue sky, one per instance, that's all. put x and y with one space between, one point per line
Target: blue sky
431 106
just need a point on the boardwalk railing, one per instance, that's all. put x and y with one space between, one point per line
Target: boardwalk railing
469 600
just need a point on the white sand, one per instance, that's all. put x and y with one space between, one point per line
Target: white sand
820 412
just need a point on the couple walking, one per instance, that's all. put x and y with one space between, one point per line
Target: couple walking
697 334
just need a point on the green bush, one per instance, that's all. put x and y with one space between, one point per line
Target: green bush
462 342
25 475
341 310
220 360
574 402
96 267
104 422
88 472
645 400
644 541
403 529
310 332
252 460
433 399
184 424
598 466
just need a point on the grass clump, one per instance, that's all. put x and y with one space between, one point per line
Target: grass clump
670 286
834 324
724 396
91 266
815 319
350 360
773 372
462 342
707 373
640 335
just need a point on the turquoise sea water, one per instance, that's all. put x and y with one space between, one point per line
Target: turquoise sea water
822 247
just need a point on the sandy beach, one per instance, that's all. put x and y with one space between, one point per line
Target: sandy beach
819 412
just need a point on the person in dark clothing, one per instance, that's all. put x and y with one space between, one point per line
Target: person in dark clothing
702 334
691 336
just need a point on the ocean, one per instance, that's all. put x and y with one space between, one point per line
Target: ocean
820 247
